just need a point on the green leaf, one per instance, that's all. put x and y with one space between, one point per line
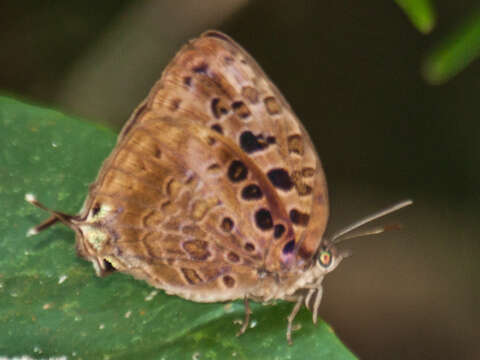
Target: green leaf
420 12
52 304
455 52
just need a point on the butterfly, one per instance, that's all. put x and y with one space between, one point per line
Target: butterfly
214 191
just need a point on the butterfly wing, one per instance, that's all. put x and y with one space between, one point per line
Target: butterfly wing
213 82
214 179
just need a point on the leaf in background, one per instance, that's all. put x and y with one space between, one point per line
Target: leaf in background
420 12
51 302
455 52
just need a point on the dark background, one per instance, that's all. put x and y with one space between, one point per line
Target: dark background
352 72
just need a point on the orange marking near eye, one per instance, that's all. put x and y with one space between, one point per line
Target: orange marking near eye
325 258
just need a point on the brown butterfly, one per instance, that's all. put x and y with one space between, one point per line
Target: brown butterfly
214 191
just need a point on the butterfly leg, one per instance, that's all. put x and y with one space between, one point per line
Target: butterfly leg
291 317
316 304
247 316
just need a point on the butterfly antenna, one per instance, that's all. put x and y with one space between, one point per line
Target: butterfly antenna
54 218
339 236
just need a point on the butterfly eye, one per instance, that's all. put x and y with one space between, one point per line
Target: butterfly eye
325 258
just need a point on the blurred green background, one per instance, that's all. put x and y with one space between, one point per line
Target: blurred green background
393 112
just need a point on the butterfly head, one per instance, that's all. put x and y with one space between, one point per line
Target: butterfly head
329 256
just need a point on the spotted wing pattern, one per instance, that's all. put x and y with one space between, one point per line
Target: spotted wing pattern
214 179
